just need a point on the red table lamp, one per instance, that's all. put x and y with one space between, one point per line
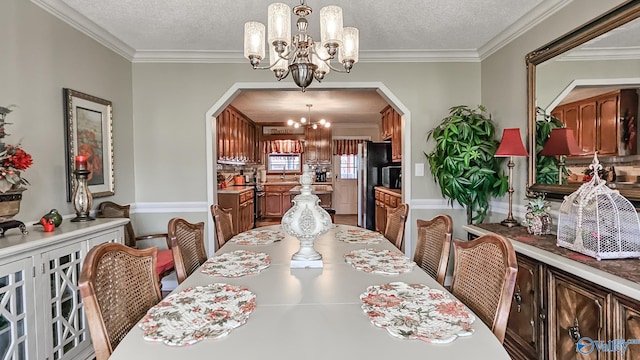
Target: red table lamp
510 146
561 142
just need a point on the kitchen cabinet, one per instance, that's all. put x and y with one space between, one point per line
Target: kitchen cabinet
277 199
43 316
241 204
391 129
323 192
238 138
597 121
317 145
553 308
385 199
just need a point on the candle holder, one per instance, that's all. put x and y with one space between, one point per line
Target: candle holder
82 196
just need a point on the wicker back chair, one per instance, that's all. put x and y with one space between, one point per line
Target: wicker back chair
223 221
484 277
433 246
109 209
396 220
187 245
118 285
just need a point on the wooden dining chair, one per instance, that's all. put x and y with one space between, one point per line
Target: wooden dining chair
484 278
223 222
396 220
118 285
433 246
165 265
187 245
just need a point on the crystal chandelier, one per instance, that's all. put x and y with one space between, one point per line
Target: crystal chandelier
306 121
300 55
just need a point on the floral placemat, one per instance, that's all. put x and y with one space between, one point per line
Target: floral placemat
414 311
359 236
379 261
201 312
259 236
236 263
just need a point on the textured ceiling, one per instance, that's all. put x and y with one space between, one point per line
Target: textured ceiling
145 30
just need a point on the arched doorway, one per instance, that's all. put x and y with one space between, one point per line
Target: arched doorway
235 89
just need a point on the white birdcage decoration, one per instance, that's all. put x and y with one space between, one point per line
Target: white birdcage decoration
597 221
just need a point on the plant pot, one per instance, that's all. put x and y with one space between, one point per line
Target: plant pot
10 204
538 224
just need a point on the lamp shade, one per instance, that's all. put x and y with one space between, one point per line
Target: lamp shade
561 142
511 144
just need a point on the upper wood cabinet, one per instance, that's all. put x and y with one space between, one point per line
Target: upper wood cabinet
317 145
598 121
238 138
391 129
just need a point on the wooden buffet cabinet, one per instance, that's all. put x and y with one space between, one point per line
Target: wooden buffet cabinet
385 199
562 296
241 202
238 138
391 129
596 120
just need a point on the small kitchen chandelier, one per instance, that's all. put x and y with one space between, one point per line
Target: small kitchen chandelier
306 121
300 55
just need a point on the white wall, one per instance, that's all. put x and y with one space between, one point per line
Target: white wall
40 56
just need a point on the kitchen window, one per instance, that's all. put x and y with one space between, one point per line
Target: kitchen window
279 163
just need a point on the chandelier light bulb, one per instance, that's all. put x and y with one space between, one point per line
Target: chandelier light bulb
314 126
303 120
322 121
289 122
327 125
296 125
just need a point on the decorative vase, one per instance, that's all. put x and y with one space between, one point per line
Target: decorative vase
538 224
10 204
306 220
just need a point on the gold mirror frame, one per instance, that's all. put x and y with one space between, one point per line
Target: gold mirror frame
601 25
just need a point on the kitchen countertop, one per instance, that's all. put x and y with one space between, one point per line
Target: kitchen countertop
234 189
315 189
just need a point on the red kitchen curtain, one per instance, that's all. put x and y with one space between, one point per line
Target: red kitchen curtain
346 146
283 147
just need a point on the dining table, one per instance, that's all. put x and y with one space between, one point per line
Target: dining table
314 313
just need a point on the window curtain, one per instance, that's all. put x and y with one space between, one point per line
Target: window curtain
283 147
346 146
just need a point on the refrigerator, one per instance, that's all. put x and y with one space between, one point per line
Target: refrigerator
372 156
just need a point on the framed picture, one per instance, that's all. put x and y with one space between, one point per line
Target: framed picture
89 132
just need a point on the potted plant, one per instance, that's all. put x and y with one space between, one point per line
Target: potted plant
537 219
463 162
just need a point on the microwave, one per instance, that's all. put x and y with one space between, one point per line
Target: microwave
392 177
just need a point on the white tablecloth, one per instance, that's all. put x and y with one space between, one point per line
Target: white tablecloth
312 314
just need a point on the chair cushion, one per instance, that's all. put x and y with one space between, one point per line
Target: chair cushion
165 261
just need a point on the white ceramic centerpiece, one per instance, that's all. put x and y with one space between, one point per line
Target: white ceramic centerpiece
306 220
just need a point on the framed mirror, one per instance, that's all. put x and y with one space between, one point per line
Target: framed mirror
588 80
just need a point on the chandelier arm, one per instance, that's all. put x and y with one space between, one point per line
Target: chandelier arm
336 69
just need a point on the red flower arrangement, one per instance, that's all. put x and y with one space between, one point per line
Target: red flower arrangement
13 159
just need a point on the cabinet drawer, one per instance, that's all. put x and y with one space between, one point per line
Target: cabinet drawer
379 195
245 196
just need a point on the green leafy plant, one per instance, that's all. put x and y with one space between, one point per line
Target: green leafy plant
463 162
546 166
538 205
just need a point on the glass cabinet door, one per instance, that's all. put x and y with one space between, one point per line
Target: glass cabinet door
17 330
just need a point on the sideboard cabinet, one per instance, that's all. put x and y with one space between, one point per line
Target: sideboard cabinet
42 316
558 301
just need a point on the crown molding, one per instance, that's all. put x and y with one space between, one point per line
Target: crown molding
594 54
80 22
524 24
